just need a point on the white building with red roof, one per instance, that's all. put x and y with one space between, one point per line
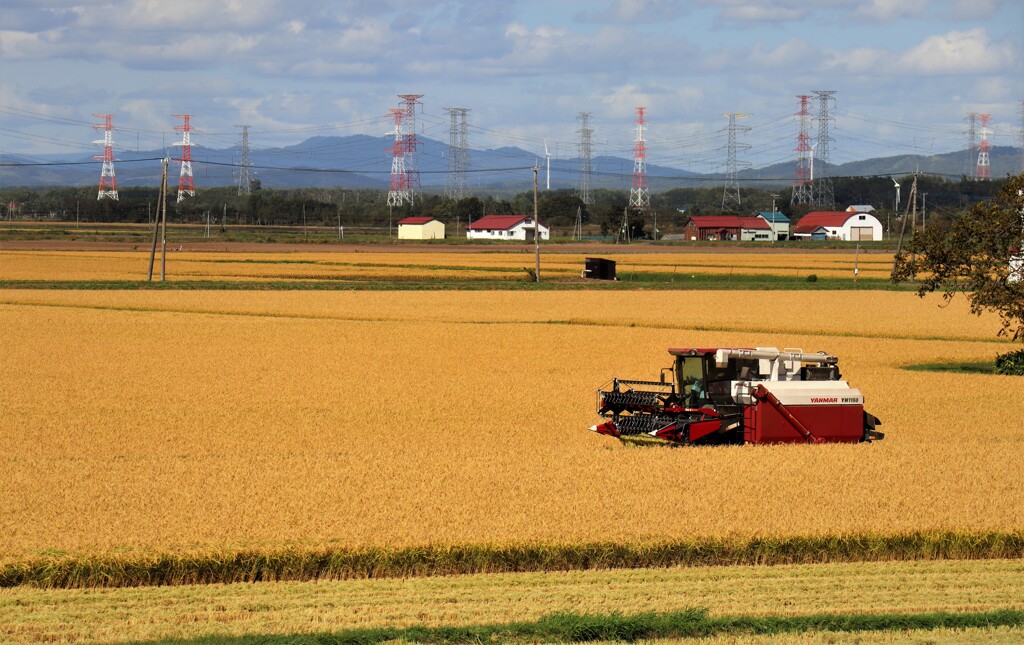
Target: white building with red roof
505 227
420 228
838 225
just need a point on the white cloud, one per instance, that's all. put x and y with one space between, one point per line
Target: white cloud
859 60
790 54
635 12
887 10
21 45
974 9
958 52
763 13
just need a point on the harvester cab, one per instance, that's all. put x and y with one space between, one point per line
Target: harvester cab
735 396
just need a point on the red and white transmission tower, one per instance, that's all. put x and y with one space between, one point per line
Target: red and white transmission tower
398 192
639 194
186 185
108 182
982 170
410 145
802 172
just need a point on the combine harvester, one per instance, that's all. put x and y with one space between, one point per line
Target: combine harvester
734 396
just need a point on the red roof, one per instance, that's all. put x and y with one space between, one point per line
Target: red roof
415 220
813 221
496 222
729 221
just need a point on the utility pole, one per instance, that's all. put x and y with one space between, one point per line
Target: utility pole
903 224
536 227
163 227
156 222
624 233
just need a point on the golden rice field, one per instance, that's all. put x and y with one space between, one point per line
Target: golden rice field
185 422
113 265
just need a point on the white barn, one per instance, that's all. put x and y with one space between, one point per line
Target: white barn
420 228
838 225
505 227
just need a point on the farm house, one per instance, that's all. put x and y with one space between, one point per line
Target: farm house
727 227
505 227
838 225
420 228
778 222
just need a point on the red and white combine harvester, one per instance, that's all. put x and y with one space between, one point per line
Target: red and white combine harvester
735 396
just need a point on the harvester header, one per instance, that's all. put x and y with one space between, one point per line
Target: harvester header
725 395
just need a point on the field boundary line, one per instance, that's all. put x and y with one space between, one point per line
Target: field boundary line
616 627
561 322
306 564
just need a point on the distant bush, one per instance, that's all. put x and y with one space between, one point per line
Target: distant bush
812 278
1011 363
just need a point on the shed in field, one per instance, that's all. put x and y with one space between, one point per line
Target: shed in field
420 228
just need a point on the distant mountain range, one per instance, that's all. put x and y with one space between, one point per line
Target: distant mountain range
360 161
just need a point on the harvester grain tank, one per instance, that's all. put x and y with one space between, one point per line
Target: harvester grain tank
738 395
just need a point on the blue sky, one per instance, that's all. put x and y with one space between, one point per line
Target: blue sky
906 72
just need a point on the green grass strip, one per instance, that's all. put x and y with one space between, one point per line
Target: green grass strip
981 367
689 623
57 570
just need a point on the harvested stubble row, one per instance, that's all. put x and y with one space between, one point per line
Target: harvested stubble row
47 615
42 265
135 425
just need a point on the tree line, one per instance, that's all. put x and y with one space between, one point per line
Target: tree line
669 210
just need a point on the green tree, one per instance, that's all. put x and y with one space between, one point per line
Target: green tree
977 254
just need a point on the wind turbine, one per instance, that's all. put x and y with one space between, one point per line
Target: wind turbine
897 184
547 156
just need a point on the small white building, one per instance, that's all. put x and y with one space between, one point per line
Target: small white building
505 227
420 228
841 225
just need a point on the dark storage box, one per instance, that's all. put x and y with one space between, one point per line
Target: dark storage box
599 269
